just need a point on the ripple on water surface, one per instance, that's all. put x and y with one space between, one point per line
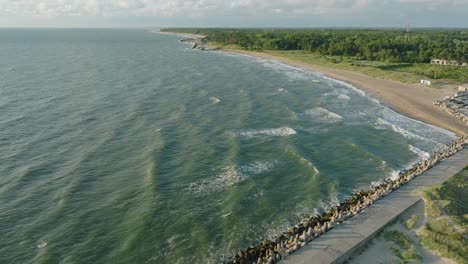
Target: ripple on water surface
129 154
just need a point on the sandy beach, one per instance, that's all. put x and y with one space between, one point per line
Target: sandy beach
412 100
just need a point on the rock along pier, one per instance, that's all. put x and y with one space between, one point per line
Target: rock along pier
312 227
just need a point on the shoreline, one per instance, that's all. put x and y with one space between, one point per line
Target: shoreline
412 100
348 214
415 101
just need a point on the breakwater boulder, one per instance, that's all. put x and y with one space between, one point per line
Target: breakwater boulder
309 228
456 105
198 43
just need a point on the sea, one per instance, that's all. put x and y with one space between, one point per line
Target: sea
128 146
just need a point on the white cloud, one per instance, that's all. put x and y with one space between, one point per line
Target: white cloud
194 8
236 12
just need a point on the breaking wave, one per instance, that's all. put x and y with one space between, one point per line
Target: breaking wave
230 176
278 132
343 97
214 100
421 153
323 115
345 84
406 133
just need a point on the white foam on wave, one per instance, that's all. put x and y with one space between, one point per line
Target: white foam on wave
277 132
332 92
224 180
421 153
345 84
257 167
323 114
274 66
41 244
226 215
230 176
325 206
268 63
406 133
395 175
383 164
302 159
214 100
297 75
343 97
293 72
174 238
420 134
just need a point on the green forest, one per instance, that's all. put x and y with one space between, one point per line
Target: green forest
419 46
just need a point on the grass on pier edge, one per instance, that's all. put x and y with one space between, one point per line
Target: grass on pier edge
446 206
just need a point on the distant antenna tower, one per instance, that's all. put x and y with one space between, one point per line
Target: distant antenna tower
407 32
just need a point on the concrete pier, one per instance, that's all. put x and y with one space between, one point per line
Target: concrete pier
338 244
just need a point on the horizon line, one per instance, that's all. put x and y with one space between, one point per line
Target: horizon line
231 27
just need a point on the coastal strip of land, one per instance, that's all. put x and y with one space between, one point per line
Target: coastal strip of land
413 100
338 244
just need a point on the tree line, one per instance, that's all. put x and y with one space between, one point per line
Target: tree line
387 45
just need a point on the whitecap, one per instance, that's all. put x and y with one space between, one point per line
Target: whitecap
376 183
41 244
429 131
307 163
281 66
325 206
293 116
226 215
324 115
274 66
395 175
383 164
343 97
278 132
345 84
224 180
406 133
173 238
230 177
421 153
214 100
257 167
296 75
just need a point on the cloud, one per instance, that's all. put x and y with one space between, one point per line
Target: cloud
232 13
170 8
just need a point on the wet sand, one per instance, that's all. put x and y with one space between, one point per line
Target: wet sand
412 100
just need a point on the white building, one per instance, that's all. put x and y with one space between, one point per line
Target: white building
448 62
426 82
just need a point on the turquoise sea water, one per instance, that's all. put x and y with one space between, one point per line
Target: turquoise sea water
126 146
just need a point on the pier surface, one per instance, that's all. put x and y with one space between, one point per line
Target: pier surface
338 244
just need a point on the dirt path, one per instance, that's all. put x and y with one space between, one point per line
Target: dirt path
380 251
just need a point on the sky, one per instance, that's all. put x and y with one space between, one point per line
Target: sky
233 13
